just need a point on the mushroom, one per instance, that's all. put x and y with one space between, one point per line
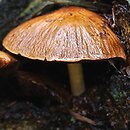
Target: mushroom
5 59
70 34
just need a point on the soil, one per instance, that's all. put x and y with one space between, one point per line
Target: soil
33 101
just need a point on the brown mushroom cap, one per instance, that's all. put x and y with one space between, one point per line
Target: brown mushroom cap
5 59
69 34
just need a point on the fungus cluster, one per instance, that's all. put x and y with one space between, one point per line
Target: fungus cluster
70 34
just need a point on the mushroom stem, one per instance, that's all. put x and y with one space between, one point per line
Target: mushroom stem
76 78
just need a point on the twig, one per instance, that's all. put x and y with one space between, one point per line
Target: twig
82 118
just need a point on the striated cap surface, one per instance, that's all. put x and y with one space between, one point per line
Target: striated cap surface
69 34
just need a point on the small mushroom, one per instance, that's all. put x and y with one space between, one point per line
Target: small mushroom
5 59
70 34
